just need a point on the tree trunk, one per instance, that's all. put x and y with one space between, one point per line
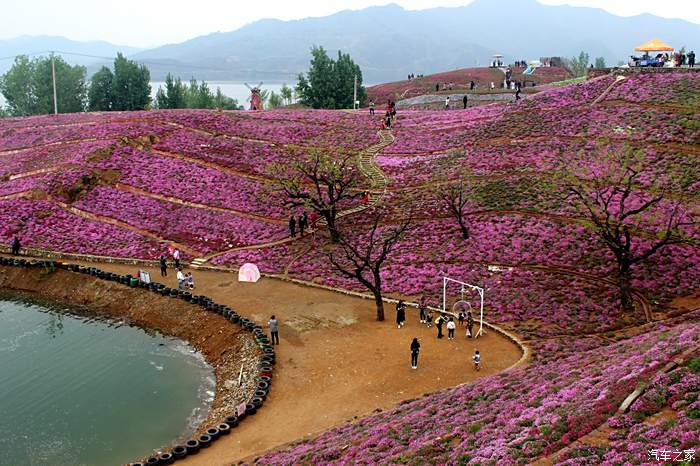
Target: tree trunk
463 227
380 304
332 228
624 277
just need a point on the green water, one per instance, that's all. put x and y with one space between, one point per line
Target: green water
76 391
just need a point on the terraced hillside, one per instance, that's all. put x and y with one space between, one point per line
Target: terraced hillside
130 185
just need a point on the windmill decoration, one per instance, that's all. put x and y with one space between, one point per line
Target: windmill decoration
255 100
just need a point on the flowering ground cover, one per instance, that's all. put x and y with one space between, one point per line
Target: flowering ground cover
201 179
516 416
482 77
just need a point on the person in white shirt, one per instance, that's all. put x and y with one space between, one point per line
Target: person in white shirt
447 103
176 256
180 279
451 329
477 360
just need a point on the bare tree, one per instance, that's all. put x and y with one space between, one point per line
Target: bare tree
458 200
319 180
608 190
361 258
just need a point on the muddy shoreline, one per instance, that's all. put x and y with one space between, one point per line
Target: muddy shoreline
225 347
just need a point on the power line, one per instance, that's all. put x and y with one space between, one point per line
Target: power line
146 62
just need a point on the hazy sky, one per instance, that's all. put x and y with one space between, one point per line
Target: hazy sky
145 23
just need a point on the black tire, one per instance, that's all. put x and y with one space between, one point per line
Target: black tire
224 429
262 385
192 446
152 461
261 394
268 359
204 441
166 458
235 318
257 402
179 451
232 421
213 432
250 409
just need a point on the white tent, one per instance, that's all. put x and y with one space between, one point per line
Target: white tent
248 273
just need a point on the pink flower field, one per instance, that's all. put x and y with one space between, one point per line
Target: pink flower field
133 184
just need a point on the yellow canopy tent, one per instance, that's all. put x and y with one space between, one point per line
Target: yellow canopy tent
654 45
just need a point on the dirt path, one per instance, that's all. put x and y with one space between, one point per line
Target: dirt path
335 363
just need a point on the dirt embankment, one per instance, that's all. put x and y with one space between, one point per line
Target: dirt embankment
225 346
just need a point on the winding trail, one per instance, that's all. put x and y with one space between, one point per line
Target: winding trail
367 166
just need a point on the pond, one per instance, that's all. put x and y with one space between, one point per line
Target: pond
84 391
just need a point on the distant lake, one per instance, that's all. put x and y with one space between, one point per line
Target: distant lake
235 90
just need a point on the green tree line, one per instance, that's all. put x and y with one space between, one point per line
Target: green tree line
28 88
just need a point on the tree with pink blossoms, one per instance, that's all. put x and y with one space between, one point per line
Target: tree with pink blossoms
634 214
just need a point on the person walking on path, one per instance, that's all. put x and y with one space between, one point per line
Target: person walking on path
517 95
300 222
691 59
429 318
451 329
180 279
176 256
472 85
415 348
447 102
422 308
465 100
15 246
400 314
163 266
470 324
371 107
477 361
439 321
274 335
292 226
461 318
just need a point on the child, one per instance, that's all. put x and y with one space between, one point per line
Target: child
461 318
189 281
477 360
451 329
429 318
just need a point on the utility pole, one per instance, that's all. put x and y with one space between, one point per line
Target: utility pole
53 77
354 95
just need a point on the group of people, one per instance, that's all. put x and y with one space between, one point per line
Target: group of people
445 86
520 64
413 76
415 349
465 102
302 223
389 115
683 59
184 281
425 315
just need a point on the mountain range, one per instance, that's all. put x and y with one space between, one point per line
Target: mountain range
388 42
42 45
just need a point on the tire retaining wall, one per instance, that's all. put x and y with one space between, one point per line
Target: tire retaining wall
265 364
